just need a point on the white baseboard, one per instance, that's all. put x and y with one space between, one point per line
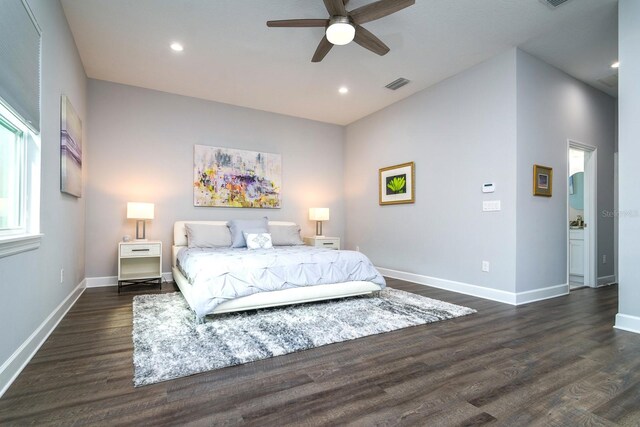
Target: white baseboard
450 285
99 282
10 369
479 291
627 323
541 294
606 280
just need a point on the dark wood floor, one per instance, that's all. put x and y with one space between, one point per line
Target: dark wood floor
556 362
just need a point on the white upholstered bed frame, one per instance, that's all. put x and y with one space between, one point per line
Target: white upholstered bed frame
264 299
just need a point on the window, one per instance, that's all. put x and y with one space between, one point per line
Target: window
20 39
11 178
19 185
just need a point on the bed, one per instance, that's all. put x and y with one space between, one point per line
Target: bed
212 279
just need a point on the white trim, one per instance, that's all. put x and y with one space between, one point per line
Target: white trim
590 213
479 291
101 282
627 323
450 285
607 280
10 369
16 244
542 294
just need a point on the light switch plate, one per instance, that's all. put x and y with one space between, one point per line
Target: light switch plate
491 205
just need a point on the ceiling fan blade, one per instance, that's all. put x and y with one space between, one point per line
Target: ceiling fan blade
298 23
377 10
368 41
323 48
335 7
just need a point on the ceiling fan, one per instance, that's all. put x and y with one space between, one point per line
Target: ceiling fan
343 26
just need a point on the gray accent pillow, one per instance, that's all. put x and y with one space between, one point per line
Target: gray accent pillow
207 236
239 226
285 235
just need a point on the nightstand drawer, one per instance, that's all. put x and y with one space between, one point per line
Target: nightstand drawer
140 249
323 242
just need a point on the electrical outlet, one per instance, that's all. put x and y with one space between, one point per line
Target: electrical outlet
62 275
604 259
485 266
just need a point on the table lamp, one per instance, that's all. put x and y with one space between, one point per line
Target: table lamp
140 212
318 215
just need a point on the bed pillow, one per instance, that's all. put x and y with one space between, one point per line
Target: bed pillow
239 226
207 236
258 240
285 235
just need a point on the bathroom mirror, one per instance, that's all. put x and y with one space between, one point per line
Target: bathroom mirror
576 191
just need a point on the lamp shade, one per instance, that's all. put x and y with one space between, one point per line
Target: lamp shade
136 210
319 214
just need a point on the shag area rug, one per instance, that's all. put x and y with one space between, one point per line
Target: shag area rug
169 344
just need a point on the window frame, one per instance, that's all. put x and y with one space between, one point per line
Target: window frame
26 236
19 130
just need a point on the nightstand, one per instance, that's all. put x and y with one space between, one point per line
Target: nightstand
323 242
139 262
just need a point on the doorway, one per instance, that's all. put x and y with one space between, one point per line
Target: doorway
581 215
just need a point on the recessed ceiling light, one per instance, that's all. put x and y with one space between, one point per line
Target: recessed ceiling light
343 90
615 64
177 47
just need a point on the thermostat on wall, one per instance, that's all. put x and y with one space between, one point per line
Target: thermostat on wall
488 187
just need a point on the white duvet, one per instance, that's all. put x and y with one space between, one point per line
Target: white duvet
220 274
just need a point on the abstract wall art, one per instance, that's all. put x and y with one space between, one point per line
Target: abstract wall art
70 149
228 177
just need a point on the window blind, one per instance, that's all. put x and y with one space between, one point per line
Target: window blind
20 62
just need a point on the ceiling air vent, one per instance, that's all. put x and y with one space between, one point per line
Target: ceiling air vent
554 3
397 84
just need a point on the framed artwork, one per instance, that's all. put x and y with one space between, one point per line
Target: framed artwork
542 180
227 177
397 184
70 149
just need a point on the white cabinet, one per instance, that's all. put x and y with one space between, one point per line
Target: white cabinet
323 242
576 253
139 262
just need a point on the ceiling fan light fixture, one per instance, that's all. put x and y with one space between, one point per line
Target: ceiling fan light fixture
340 31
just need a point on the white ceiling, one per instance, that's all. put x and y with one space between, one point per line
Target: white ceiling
231 56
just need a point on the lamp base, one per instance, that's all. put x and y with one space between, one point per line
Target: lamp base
141 237
319 229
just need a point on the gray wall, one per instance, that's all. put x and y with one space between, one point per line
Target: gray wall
142 150
460 133
554 107
490 123
629 150
30 281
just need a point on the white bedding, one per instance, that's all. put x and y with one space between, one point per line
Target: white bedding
217 275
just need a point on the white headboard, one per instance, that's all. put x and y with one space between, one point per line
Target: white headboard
180 233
